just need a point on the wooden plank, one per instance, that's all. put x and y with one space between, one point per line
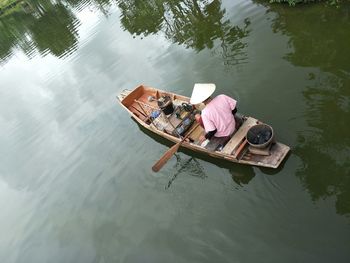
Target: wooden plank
136 106
133 109
138 113
196 132
239 136
240 149
278 153
146 106
144 99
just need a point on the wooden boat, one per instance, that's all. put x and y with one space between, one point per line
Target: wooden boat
142 104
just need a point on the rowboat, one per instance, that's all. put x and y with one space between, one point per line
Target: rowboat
144 104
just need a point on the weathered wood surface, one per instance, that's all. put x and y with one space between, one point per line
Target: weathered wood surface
240 149
239 136
278 152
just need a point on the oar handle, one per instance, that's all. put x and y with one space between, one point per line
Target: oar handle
190 131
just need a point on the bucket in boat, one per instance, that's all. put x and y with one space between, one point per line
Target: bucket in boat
260 135
166 105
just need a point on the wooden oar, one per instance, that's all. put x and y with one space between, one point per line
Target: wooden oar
169 153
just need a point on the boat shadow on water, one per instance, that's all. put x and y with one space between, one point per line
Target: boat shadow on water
241 174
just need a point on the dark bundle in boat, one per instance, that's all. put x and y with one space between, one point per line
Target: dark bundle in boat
166 105
262 137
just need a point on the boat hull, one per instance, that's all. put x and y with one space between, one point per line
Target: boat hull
277 152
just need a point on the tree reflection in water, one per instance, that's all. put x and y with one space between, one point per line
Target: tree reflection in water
194 24
43 26
55 31
51 26
325 147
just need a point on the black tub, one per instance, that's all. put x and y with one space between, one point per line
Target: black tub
166 105
260 135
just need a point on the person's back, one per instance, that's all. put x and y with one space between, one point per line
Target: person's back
217 114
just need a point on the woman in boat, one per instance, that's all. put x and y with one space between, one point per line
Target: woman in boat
217 117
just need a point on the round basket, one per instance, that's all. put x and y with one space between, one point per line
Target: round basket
260 135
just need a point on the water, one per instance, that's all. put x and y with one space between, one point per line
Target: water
76 183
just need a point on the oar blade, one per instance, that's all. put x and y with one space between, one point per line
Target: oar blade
169 153
158 165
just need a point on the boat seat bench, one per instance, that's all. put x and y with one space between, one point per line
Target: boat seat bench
239 135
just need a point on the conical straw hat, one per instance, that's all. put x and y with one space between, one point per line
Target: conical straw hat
201 91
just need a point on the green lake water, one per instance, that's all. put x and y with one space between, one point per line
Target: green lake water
75 177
